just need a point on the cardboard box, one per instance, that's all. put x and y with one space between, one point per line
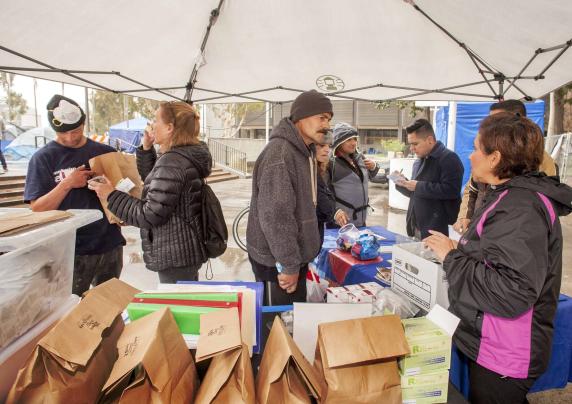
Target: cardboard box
418 275
425 363
430 347
426 388
358 293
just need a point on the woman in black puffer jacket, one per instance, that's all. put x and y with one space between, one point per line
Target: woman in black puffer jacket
169 211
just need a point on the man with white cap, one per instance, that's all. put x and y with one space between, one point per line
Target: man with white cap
57 180
349 173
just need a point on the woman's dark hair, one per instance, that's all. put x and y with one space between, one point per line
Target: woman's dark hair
517 139
514 106
185 120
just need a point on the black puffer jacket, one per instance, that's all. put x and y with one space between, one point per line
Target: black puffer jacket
168 213
326 208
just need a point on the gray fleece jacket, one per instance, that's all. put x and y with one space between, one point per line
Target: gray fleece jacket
282 224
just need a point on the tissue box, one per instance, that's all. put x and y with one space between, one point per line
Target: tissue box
417 275
430 347
426 388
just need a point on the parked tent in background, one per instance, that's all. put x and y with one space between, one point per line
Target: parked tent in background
128 134
25 145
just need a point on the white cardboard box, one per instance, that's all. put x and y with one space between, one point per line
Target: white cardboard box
418 275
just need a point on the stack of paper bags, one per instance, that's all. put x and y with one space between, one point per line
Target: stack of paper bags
154 364
189 302
285 375
358 360
75 358
229 378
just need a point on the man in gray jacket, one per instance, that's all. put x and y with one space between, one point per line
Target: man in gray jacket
282 233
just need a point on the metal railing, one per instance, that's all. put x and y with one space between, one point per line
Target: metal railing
560 148
44 138
228 156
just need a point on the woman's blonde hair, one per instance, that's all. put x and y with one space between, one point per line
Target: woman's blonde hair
185 120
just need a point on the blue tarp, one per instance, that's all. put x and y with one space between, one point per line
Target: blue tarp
469 116
129 134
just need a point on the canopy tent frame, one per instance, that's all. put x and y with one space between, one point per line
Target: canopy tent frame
489 74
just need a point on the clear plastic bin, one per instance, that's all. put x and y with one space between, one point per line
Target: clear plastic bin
14 356
36 268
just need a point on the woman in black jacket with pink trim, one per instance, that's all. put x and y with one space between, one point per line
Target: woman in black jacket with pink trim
504 274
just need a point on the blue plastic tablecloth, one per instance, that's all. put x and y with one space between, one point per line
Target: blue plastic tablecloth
359 273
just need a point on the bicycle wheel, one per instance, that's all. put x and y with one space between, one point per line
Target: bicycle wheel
239 228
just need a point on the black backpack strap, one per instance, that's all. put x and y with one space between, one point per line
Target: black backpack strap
349 205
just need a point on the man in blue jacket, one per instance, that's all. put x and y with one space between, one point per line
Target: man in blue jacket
435 187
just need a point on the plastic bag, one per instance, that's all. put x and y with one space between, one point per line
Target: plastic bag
366 247
347 236
389 302
315 287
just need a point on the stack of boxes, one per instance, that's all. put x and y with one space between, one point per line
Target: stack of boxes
425 371
359 293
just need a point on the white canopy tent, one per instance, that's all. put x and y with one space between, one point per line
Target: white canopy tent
270 50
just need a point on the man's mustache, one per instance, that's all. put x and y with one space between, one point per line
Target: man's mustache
324 131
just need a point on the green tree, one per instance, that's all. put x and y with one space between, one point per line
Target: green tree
111 108
400 104
17 105
108 109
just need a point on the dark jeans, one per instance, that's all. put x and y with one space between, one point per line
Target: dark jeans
95 269
488 387
172 275
274 295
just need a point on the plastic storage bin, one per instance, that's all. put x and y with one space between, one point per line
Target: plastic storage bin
36 268
14 356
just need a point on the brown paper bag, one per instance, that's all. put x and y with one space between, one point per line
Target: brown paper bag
285 375
229 378
116 166
358 359
72 362
154 364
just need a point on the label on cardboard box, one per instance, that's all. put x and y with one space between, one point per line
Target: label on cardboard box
425 388
425 363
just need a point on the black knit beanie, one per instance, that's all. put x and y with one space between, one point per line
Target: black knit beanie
64 114
310 103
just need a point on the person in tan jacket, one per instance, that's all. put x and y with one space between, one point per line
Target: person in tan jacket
474 192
